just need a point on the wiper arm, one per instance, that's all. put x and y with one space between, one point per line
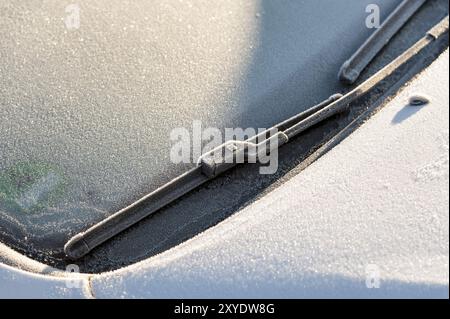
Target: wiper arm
208 168
353 67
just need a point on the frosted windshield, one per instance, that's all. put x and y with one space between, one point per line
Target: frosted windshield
86 110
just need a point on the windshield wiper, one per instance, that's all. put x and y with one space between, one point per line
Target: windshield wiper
209 167
353 67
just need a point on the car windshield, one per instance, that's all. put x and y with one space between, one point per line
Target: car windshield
90 93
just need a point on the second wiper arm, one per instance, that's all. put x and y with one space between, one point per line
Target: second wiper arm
353 67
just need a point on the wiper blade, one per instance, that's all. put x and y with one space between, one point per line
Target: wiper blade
353 67
208 168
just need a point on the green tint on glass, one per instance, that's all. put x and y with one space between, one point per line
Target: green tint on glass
30 187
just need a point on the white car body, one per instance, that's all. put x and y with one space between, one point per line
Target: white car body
367 220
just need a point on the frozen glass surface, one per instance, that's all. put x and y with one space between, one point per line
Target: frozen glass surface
86 111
